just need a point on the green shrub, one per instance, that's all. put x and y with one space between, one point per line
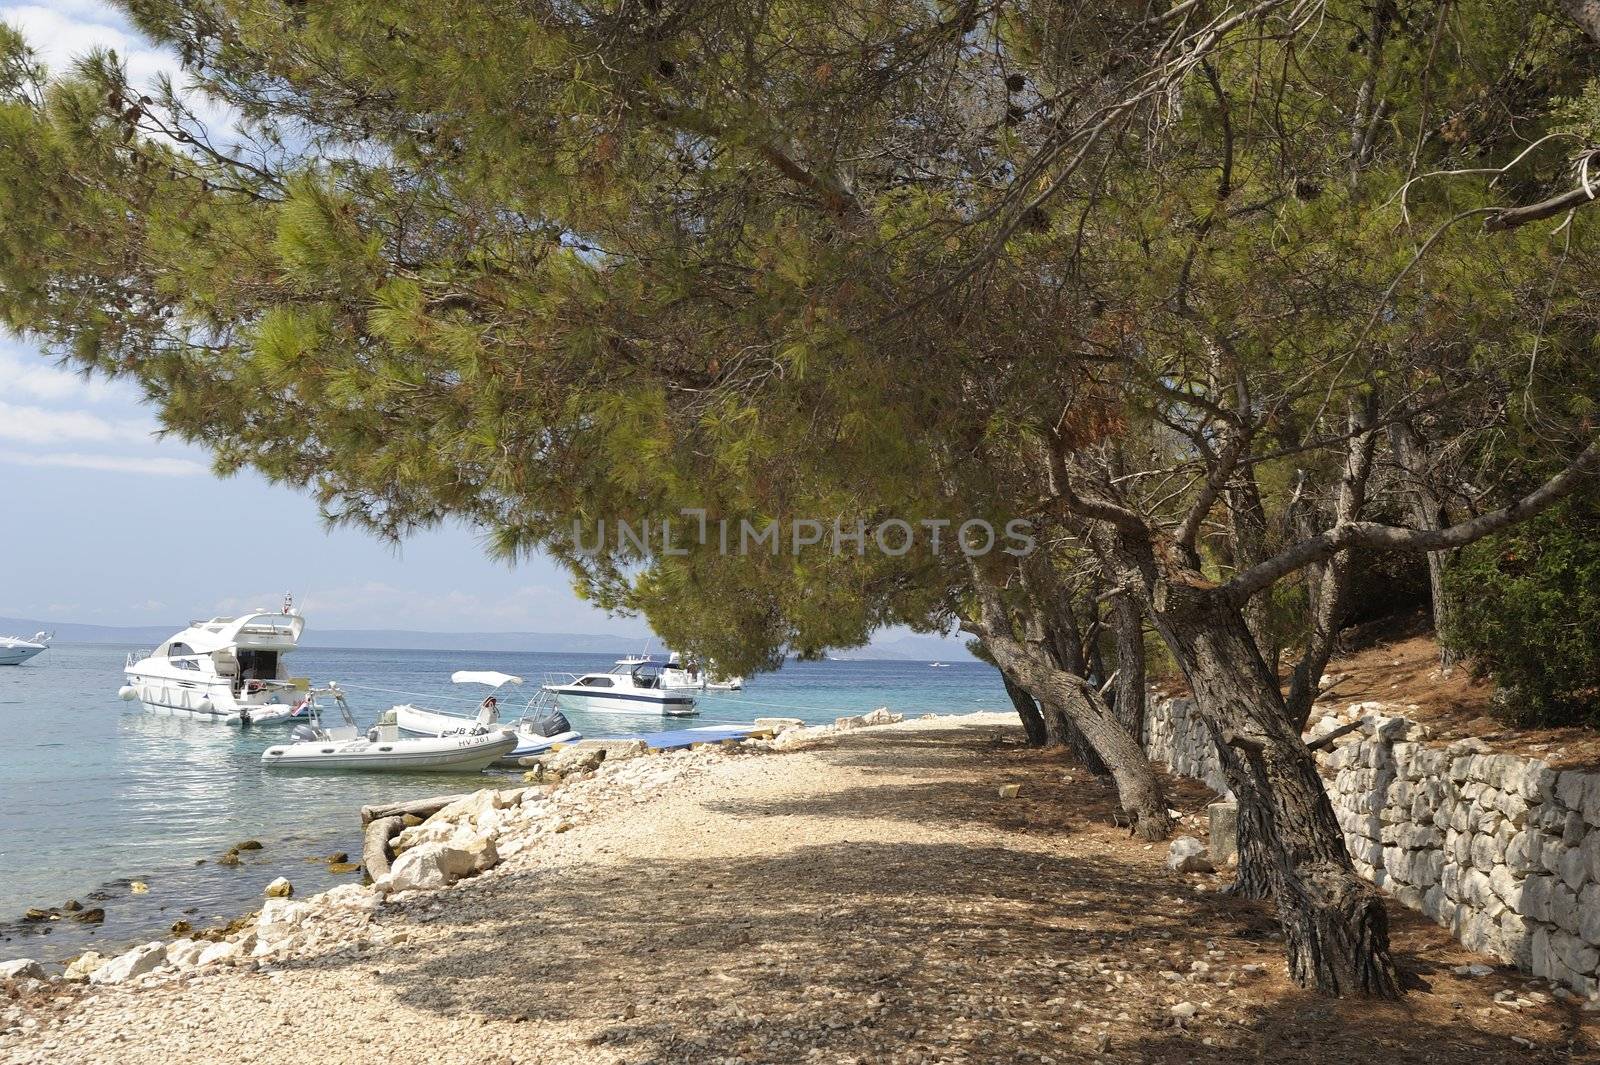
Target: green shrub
1526 609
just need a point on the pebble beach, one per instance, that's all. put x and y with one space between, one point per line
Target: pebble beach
918 891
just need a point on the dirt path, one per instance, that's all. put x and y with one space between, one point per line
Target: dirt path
870 900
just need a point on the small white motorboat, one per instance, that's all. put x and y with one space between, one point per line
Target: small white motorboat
541 727
938 665
14 650
382 749
231 670
685 673
627 689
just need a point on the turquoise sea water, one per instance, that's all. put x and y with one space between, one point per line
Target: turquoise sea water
95 793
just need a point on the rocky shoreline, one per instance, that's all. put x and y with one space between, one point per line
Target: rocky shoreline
926 892
465 838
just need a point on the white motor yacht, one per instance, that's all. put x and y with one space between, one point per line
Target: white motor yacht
230 670
541 727
686 674
626 689
14 650
381 748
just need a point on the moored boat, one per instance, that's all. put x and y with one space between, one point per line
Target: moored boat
382 748
231 670
541 727
15 650
686 673
625 689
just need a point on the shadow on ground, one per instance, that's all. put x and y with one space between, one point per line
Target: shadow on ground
992 949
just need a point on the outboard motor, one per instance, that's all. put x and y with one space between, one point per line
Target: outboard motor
553 723
303 733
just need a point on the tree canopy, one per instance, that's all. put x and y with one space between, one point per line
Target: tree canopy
1209 293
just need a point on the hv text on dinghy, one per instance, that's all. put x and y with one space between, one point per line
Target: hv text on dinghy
541 727
382 748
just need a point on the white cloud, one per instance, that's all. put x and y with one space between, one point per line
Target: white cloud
33 375
39 425
67 32
153 465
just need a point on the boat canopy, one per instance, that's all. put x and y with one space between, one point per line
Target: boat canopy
263 630
486 676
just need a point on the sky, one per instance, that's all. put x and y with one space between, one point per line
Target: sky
103 523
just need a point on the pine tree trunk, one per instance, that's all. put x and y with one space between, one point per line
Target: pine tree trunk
1252 878
1427 512
1334 923
1127 621
1083 751
1440 599
1139 790
1033 665
1027 710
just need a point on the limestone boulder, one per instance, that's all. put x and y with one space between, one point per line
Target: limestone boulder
83 965
280 919
21 969
1577 956
215 952
185 953
348 897
577 759
436 865
136 962
1188 855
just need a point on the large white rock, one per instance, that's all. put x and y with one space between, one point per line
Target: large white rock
81 966
577 759
1574 953
1188 855
471 807
348 897
279 919
136 962
433 865
1563 908
215 952
21 969
1570 786
186 952
1536 892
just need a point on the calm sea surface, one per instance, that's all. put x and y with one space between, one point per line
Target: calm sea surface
95 793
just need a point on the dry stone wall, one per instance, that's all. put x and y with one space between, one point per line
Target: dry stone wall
1502 850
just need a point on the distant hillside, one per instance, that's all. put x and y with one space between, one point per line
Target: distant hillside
906 648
